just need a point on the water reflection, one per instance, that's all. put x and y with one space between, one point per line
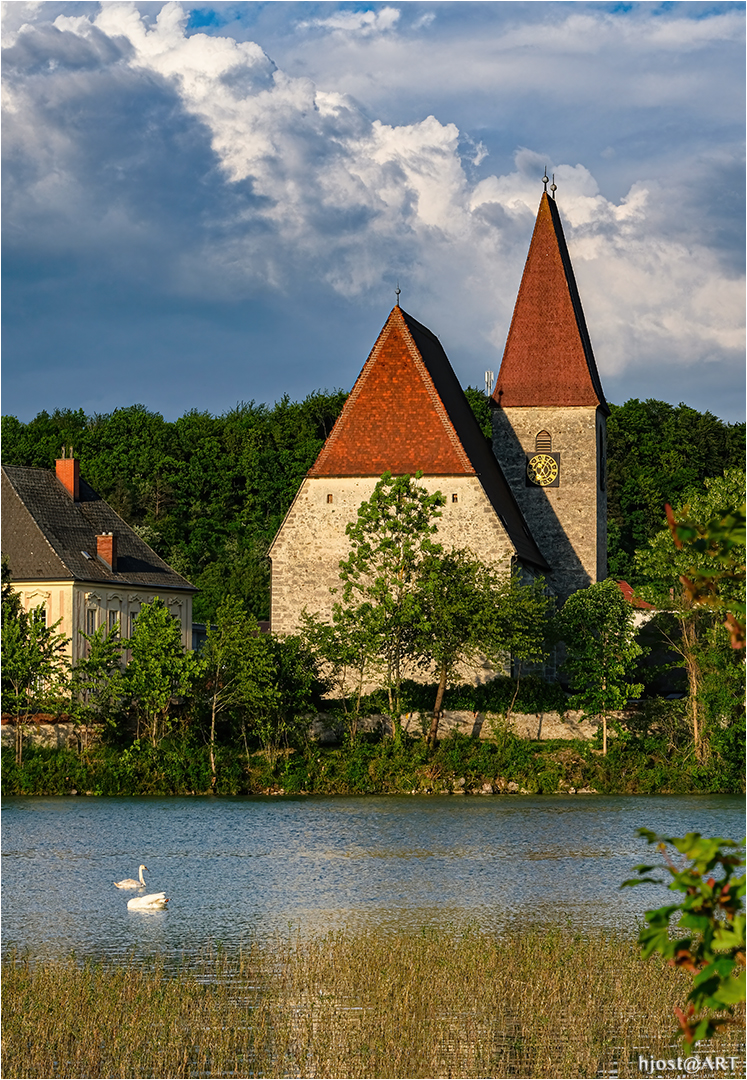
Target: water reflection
244 868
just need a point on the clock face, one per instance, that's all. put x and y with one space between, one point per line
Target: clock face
542 469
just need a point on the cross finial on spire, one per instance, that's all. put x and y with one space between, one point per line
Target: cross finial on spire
553 186
545 179
398 291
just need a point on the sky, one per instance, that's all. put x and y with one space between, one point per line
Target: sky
205 204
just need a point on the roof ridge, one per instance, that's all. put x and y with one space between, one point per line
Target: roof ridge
397 319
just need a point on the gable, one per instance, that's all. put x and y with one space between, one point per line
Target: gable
394 420
408 413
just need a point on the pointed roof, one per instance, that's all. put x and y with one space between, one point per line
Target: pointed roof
408 413
548 359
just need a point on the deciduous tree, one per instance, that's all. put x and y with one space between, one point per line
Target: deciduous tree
158 670
392 535
597 627
35 670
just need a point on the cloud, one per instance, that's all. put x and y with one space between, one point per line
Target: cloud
195 167
355 22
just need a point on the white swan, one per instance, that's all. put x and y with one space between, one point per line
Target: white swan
149 902
130 883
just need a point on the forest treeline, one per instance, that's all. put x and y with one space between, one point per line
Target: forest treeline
208 493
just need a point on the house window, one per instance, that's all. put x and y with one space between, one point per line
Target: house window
330 498
133 620
90 620
43 616
455 497
113 620
543 442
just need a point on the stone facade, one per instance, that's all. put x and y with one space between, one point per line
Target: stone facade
307 551
568 522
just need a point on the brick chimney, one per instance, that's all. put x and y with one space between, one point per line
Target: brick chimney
106 549
68 473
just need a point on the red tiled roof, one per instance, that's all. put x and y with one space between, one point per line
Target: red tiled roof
408 413
394 419
548 359
627 591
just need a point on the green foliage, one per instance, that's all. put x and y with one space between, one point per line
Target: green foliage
158 670
597 627
35 670
466 609
655 757
282 716
210 491
346 651
97 681
695 573
712 910
479 402
388 542
235 669
657 454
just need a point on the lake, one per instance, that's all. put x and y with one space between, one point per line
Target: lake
244 868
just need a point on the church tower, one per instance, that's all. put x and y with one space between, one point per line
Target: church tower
549 414
406 414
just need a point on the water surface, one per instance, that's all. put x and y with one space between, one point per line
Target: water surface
243 868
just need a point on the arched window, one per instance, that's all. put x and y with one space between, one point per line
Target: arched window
543 442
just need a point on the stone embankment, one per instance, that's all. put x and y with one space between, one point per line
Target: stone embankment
326 729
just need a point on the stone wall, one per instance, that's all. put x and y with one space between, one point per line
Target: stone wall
568 522
307 550
549 725
63 736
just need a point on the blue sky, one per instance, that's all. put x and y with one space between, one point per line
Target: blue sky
212 203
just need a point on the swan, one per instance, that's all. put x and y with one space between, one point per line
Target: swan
130 883
149 902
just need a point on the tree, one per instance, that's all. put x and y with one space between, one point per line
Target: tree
34 667
158 671
283 712
347 649
389 540
698 580
712 914
97 679
236 667
659 453
467 608
597 627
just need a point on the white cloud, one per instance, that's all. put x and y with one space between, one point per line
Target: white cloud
333 196
356 22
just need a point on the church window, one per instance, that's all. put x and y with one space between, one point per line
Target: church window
543 442
330 498
455 497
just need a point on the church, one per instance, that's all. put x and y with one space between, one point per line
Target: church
534 501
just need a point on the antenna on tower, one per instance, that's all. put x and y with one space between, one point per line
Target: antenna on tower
489 377
398 291
553 186
545 179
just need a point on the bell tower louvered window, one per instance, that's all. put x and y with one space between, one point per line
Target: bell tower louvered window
543 443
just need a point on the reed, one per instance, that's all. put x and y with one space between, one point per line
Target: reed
531 1003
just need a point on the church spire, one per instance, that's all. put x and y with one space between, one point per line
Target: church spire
548 359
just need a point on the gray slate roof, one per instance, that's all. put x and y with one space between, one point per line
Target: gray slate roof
44 535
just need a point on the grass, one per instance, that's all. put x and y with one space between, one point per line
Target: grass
530 1003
